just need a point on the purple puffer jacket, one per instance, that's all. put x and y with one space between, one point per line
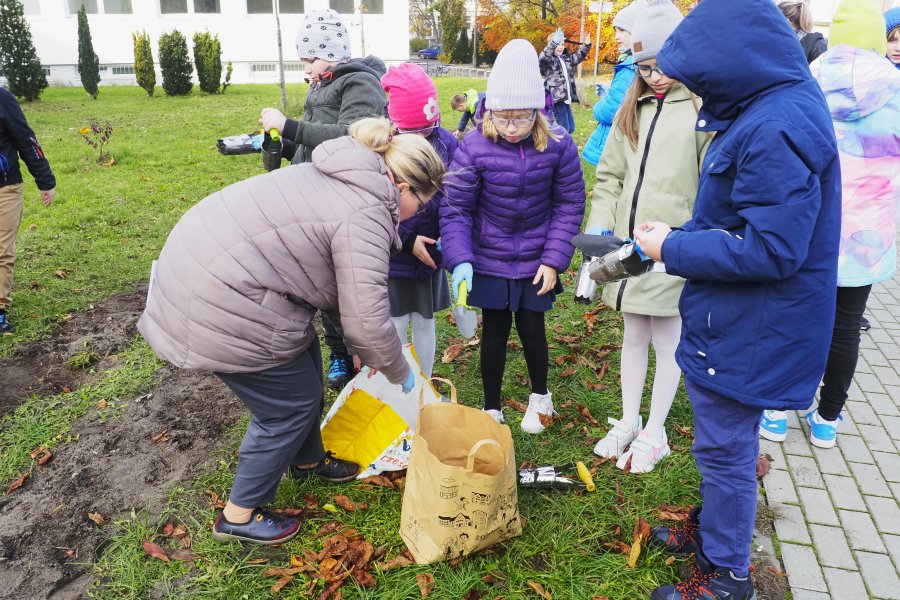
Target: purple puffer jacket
403 264
508 209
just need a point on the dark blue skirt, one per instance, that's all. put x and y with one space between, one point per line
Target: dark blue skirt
498 293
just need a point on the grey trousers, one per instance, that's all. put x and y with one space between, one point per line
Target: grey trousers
286 402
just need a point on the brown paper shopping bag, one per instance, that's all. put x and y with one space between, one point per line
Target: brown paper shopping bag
460 493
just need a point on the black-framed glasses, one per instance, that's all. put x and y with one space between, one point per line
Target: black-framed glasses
647 70
520 123
423 206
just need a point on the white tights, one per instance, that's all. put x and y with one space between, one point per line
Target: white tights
639 331
423 337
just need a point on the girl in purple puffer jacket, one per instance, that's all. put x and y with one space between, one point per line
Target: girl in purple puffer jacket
513 203
417 286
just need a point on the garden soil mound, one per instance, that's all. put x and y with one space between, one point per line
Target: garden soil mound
47 541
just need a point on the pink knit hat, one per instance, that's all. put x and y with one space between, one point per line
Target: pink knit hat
413 102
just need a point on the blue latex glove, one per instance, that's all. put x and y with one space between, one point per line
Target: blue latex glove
256 141
461 272
599 230
602 90
409 382
559 37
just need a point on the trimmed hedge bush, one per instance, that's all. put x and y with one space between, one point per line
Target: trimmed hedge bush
175 64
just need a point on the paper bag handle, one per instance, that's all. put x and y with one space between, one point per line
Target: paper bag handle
470 462
453 398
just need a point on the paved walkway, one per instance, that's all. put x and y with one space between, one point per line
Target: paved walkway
839 520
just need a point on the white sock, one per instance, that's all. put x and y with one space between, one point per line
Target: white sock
666 333
635 346
425 341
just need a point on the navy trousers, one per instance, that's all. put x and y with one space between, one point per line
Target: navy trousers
286 402
562 112
726 448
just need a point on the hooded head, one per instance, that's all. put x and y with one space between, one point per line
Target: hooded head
858 23
892 22
323 35
515 82
658 19
413 102
626 18
729 52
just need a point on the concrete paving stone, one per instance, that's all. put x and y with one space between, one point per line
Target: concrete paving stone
799 594
895 491
882 404
885 512
789 524
780 487
889 465
854 393
892 390
868 382
892 427
861 531
854 448
796 443
773 449
793 419
845 584
876 438
879 335
883 316
874 357
862 412
893 545
848 425
867 342
891 351
802 568
880 575
869 479
831 460
817 506
832 547
863 367
886 375
805 471
844 493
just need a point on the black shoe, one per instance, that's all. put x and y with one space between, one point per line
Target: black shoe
333 469
6 327
683 539
340 371
262 528
708 584
864 324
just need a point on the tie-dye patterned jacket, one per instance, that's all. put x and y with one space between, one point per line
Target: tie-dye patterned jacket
863 94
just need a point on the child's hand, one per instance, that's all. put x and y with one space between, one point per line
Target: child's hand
272 118
420 250
457 133
650 237
548 274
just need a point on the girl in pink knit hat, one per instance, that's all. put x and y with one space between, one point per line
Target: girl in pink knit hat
418 285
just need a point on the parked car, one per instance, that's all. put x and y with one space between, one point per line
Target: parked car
431 52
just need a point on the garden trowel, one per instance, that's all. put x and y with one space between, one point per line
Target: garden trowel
466 318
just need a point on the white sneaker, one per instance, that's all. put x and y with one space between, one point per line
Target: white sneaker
645 452
496 415
537 404
618 438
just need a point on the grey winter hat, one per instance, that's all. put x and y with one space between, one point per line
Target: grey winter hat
323 35
657 20
515 81
626 18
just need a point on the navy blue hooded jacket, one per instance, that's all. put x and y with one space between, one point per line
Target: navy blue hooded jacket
17 139
760 254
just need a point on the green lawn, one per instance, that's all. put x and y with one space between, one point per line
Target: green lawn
105 227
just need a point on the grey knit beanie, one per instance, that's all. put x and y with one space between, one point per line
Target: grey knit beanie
626 17
656 21
515 81
323 35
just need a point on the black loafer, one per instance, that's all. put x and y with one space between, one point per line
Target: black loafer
864 324
262 528
333 469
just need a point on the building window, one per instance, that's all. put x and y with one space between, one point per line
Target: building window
32 7
263 67
169 7
123 70
117 7
90 6
259 7
207 6
46 71
292 7
373 7
344 7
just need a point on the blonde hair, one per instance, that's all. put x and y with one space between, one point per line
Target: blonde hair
797 13
540 133
627 118
410 157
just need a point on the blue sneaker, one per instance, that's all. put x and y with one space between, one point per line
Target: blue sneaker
263 528
683 539
708 584
773 425
6 327
822 433
340 371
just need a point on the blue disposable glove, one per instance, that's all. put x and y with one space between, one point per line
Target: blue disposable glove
602 90
599 230
409 382
559 37
461 272
256 141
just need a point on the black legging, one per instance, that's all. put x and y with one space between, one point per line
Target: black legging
844 351
495 333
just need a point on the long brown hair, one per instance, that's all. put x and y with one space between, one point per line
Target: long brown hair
627 118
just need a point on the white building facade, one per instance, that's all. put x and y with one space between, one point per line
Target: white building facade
246 30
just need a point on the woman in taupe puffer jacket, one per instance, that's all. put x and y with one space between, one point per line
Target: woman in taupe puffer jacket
242 275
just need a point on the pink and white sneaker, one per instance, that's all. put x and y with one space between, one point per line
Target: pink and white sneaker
645 452
618 438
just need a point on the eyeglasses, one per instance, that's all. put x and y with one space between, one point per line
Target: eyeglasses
425 131
647 70
502 123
